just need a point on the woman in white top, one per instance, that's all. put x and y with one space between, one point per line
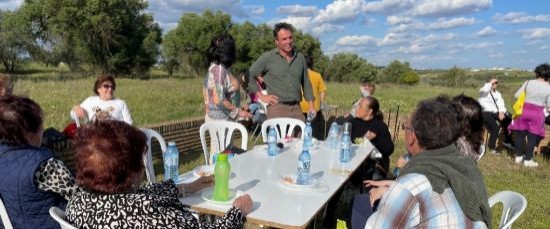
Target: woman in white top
530 124
104 105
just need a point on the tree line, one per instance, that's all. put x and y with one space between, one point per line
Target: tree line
121 37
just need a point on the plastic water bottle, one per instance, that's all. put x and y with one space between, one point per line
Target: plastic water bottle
222 170
171 162
272 141
304 162
345 145
308 136
333 136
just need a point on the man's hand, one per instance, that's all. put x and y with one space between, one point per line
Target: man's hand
376 194
244 114
270 99
500 116
401 162
378 183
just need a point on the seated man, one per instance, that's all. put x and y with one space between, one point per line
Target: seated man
438 187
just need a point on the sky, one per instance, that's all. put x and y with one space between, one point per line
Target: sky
426 33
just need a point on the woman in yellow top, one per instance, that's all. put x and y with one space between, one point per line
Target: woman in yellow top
319 92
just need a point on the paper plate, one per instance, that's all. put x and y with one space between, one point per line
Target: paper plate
290 180
203 170
207 195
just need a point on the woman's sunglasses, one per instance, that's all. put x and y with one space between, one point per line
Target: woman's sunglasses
107 86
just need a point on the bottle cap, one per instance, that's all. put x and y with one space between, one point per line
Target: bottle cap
222 157
171 143
347 127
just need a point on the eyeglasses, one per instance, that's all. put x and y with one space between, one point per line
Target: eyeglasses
107 86
404 127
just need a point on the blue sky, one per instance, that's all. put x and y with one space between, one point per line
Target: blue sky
426 33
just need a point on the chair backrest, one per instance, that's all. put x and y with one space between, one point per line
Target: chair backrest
59 216
148 158
285 127
513 205
5 217
220 136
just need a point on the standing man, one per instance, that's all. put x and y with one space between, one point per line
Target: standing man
285 76
494 111
319 92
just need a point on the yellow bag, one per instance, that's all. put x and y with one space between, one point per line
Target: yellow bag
341 224
518 105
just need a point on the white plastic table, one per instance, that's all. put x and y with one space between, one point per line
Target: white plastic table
276 204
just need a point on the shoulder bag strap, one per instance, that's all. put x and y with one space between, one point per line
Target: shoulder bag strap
494 101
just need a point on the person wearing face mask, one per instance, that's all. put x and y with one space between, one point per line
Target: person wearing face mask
104 105
367 89
32 179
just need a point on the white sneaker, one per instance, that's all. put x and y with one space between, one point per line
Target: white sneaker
519 159
530 163
495 152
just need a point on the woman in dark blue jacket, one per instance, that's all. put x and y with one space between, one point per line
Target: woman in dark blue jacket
32 181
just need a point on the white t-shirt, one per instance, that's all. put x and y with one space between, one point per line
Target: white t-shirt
115 108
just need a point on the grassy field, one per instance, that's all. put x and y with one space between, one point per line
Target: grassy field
158 100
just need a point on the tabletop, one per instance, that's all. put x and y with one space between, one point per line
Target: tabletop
276 202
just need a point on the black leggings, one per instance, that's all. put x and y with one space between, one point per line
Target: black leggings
532 141
492 126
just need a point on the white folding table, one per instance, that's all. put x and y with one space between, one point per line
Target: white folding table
277 204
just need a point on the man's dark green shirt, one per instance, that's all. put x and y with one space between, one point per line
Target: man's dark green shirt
282 78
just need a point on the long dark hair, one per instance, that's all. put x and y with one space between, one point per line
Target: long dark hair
470 119
221 50
375 106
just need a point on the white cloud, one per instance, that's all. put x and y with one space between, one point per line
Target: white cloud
536 33
395 20
297 10
520 17
340 11
485 32
387 6
369 21
483 45
417 48
413 26
431 38
495 55
451 23
256 10
394 38
544 47
308 25
171 10
440 8
10 4
356 41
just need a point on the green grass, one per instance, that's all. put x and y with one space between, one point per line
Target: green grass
158 100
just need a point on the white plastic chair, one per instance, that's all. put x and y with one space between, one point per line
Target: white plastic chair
4 215
75 118
220 136
286 126
59 216
148 158
513 206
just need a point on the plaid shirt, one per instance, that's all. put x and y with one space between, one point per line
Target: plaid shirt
410 202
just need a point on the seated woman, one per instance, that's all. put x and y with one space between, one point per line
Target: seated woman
32 180
110 170
6 86
368 124
104 105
